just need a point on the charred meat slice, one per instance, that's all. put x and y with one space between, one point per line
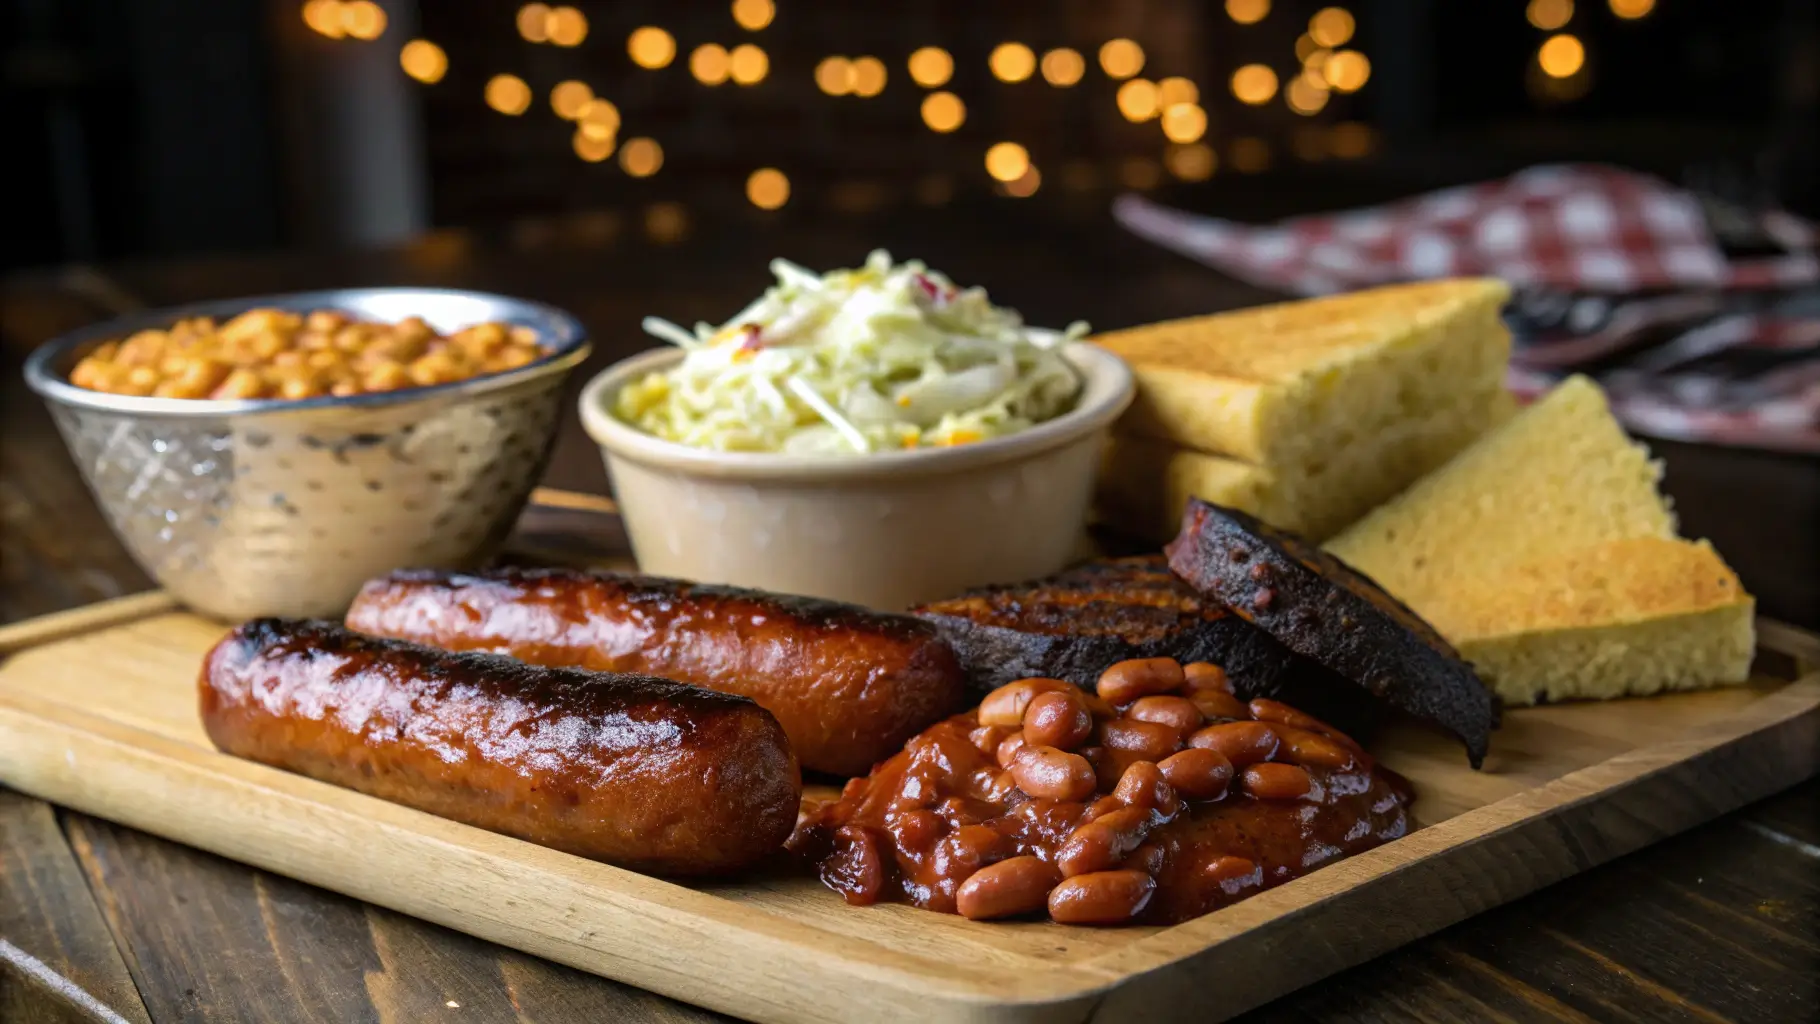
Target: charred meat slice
1076 624
1323 609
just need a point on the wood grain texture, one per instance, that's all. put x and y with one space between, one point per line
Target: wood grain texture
1572 787
58 953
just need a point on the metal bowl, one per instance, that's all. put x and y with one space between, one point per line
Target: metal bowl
278 507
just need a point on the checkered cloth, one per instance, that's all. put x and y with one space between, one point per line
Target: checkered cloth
1701 321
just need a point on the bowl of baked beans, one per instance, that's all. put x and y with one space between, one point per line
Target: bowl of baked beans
265 456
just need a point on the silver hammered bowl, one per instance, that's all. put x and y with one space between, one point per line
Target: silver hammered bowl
280 507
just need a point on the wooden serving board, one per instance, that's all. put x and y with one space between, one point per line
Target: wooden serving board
98 712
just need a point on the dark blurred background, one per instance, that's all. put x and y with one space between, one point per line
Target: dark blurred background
141 129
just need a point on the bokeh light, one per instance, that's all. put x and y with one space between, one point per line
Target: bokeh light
1304 97
834 76
1249 155
324 17
753 15
931 66
1011 62
424 61
666 222
1121 58
363 19
590 147
1140 172
748 64
1561 56
641 157
1007 161
1063 67
1254 84
1137 99
508 94
534 23
1025 184
1549 15
868 76
568 98
1347 71
708 63
943 111
1631 10
1305 45
651 47
1193 162
1246 12
568 26
1176 89
768 188
1331 27
1184 122
1350 140
599 119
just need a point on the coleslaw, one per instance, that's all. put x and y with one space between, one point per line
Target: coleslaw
885 357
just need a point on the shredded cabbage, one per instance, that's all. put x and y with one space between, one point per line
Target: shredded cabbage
881 358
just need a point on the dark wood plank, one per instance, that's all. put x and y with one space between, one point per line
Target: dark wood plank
59 961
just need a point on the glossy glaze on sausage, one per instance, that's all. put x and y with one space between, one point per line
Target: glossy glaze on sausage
848 685
636 771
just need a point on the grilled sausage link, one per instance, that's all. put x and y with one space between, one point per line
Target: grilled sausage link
848 685
640 772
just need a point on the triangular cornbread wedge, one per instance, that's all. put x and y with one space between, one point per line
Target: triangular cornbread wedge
1285 385
1545 553
1145 484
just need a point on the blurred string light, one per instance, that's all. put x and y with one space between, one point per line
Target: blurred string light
1351 140
1304 97
1007 161
748 64
1331 27
1140 172
567 26
1011 62
363 19
1249 155
708 63
1176 89
590 147
753 15
651 47
931 66
1063 66
1254 84
568 98
508 94
768 188
943 111
834 76
1305 46
1631 10
1549 15
324 17
1121 58
533 22
1315 64
1184 122
1137 99
1192 162
1246 12
1562 56
868 76
641 157
424 61
1347 71
1025 184
599 119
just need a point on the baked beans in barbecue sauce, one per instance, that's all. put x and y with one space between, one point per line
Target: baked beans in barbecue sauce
1159 797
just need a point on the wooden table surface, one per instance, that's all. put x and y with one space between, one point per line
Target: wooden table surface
99 922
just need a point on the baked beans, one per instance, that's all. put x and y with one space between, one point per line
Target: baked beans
1137 811
273 353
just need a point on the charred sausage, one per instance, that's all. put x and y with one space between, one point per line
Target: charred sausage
641 772
848 685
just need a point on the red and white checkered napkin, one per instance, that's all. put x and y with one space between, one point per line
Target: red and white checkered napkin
1701 322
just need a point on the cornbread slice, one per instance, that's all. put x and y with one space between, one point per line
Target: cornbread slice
1145 484
1560 476
1622 618
1545 553
1284 385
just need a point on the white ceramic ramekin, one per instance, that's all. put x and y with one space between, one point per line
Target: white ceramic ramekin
885 530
